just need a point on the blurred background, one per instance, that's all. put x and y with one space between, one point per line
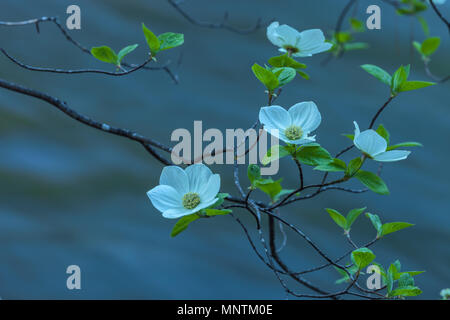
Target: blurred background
70 194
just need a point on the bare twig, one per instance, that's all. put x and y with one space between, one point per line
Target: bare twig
440 15
220 25
148 143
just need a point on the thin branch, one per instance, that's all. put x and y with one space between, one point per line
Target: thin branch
432 76
79 71
220 25
62 106
439 14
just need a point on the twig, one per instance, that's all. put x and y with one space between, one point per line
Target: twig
62 106
79 71
220 25
439 14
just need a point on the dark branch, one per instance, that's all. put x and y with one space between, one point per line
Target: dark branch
220 25
62 106
439 14
79 71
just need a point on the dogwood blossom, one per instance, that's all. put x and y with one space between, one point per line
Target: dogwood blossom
294 125
299 44
374 146
183 192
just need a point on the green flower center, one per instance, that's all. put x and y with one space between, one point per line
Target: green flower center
293 132
191 200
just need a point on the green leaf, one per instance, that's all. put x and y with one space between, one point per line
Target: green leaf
362 257
313 155
170 40
275 153
336 165
345 278
393 227
411 273
403 145
353 167
281 193
343 37
152 40
253 173
405 280
337 217
415 85
353 215
350 136
409 291
424 25
221 198
183 223
375 219
105 54
399 79
430 45
394 269
372 181
122 53
267 78
378 73
357 25
270 187
389 281
286 61
418 46
216 212
284 74
382 131
302 74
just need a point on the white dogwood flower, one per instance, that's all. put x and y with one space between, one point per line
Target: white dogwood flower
299 44
374 146
183 192
293 126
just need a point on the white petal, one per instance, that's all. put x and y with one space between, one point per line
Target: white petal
205 204
357 131
175 177
181 212
288 35
176 213
393 155
310 39
164 198
210 189
276 133
370 142
320 48
306 115
274 117
273 36
198 176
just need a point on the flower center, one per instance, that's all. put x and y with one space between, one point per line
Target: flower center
191 200
293 132
291 49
